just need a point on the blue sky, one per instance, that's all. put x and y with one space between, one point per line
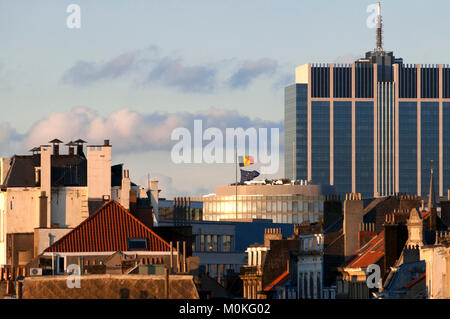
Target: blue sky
176 60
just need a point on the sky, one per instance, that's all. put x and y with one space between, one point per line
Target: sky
136 70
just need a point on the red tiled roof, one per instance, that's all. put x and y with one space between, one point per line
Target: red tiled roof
278 281
108 229
415 281
369 254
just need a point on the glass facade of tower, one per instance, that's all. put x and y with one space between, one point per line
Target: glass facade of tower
408 151
320 147
343 146
364 147
375 127
446 146
296 131
429 143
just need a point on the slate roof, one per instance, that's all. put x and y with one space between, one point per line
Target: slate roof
415 281
108 229
67 170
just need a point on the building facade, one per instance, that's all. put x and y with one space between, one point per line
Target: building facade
45 195
284 202
375 126
221 246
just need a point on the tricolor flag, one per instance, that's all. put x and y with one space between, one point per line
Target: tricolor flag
246 161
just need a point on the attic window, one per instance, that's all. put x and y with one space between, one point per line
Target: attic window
137 244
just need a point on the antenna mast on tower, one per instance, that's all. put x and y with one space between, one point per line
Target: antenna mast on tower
379 47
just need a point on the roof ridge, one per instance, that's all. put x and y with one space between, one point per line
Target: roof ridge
277 280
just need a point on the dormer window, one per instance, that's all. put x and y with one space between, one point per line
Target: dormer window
137 244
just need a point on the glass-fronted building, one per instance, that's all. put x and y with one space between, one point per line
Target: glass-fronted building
374 127
287 203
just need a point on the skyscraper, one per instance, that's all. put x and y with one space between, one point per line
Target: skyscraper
376 126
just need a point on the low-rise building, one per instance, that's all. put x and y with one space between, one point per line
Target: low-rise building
282 201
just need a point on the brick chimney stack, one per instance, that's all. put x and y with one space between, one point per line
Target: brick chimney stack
272 234
353 217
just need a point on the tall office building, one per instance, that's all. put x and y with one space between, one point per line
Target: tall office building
375 127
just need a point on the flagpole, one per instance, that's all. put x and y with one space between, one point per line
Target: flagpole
235 158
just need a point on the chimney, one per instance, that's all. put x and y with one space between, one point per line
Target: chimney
99 171
154 198
272 234
79 143
55 142
71 146
43 210
353 217
125 190
46 179
106 143
395 237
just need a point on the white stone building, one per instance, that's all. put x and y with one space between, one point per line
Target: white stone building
45 195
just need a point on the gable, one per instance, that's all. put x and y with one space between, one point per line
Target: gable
108 229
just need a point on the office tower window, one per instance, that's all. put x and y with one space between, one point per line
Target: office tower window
364 148
408 147
430 144
430 82
343 146
320 148
364 80
342 79
296 131
407 82
320 81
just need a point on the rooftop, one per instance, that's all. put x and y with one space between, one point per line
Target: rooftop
108 230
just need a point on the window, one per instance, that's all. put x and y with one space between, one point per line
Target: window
194 239
215 243
137 244
226 243
208 243
202 242
60 263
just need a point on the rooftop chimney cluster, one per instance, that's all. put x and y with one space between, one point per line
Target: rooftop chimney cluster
272 231
442 237
398 216
72 145
367 227
353 196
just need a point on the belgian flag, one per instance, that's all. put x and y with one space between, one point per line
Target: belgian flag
246 161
